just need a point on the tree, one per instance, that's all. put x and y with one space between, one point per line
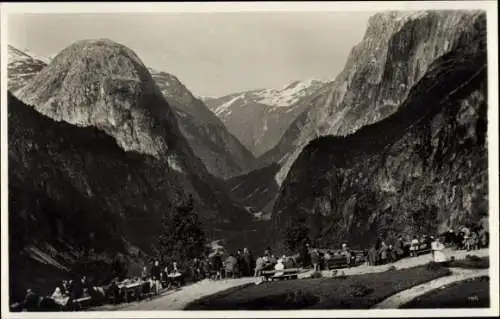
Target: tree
317 229
296 233
182 237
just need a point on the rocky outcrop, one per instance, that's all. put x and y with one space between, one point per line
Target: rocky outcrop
419 170
221 153
259 118
395 53
21 68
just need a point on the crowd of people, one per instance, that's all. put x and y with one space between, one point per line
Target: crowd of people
219 265
64 296
70 293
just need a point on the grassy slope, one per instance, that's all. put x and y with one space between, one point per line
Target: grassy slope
353 292
471 293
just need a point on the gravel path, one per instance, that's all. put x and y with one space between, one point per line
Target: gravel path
177 300
405 263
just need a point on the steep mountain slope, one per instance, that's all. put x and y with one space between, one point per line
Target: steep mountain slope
259 118
21 68
98 159
220 151
73 188
395 53
102 84
420 170
255 190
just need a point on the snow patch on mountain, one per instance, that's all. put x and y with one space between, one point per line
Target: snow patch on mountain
288 95
225 109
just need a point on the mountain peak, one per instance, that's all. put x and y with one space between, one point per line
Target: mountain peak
258 118
102 83
21 67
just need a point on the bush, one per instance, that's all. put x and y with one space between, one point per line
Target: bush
434 266
472 262
300 299
392 268
360 290
316 274
473 258
340 275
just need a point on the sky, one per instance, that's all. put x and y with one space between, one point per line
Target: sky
212 53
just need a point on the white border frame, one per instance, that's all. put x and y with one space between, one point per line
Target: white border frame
143 7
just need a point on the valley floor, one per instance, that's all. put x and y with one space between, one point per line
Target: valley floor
178 300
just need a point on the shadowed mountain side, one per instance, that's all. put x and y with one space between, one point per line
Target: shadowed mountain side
72 189
255 189
222 154
419 170
103 84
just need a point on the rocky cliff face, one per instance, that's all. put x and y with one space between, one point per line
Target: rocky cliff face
222 154
21 68
395 53
421 169
259 118
101 85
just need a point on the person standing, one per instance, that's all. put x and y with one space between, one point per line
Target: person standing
196 269
247 262
398 248
474 238
315 259
218 267
241 263
439 255
372 256
231 264
434 247
383 253
483 237
466 236
304 255
414 246
144 273
392 254
347 254
155 276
